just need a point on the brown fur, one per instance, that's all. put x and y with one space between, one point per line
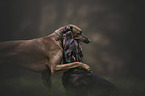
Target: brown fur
41 54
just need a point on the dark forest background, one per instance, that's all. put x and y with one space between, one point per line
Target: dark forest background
116 28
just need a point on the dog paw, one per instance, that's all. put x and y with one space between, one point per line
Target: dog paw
87 68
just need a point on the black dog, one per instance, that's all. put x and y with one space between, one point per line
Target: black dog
77 81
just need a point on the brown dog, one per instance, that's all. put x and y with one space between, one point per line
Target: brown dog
41 54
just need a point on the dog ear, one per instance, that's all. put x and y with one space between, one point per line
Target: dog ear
71 28
67 28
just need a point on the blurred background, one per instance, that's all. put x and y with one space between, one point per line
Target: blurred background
116 28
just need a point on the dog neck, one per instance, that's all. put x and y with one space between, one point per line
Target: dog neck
58 33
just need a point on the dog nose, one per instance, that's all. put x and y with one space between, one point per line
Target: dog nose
87 41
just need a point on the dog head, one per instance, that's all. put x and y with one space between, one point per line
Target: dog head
77 33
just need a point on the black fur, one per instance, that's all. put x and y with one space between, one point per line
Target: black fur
77 81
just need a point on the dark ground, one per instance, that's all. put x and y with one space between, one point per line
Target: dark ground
116 28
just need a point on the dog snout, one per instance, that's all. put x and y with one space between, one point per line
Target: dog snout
87 40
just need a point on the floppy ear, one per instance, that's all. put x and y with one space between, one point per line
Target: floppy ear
69 35
66 38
